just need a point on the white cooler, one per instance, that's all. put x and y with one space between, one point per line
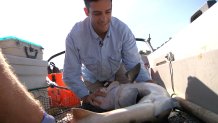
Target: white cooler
31 72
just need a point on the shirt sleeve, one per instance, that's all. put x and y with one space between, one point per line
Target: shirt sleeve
131 56
72 69
48 118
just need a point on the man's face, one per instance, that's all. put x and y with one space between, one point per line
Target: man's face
100 13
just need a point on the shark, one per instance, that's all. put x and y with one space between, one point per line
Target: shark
129 103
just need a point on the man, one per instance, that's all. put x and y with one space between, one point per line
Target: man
98 48
16 103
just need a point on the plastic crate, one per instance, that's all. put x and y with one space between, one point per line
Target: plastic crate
57 100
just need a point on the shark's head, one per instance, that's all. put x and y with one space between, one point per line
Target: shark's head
107 102
119 97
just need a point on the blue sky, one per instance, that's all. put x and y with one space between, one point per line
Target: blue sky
47 22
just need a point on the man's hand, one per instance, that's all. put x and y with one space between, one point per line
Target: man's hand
92 97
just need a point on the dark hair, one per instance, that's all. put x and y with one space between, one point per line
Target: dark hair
87 2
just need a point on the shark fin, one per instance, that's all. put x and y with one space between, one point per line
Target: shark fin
133 73
79 113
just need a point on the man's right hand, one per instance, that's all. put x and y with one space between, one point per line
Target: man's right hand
92 97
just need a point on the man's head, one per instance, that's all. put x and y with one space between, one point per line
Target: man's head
100 13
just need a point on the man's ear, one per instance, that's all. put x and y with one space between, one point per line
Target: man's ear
86 11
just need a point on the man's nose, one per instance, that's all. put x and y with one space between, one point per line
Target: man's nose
103 18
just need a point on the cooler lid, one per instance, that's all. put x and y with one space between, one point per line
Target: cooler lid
15 38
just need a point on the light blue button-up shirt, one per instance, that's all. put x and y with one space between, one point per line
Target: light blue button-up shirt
85 57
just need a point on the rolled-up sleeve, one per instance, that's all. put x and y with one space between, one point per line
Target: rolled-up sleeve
131 57
72 69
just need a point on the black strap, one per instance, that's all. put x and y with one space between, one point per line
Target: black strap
55 55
